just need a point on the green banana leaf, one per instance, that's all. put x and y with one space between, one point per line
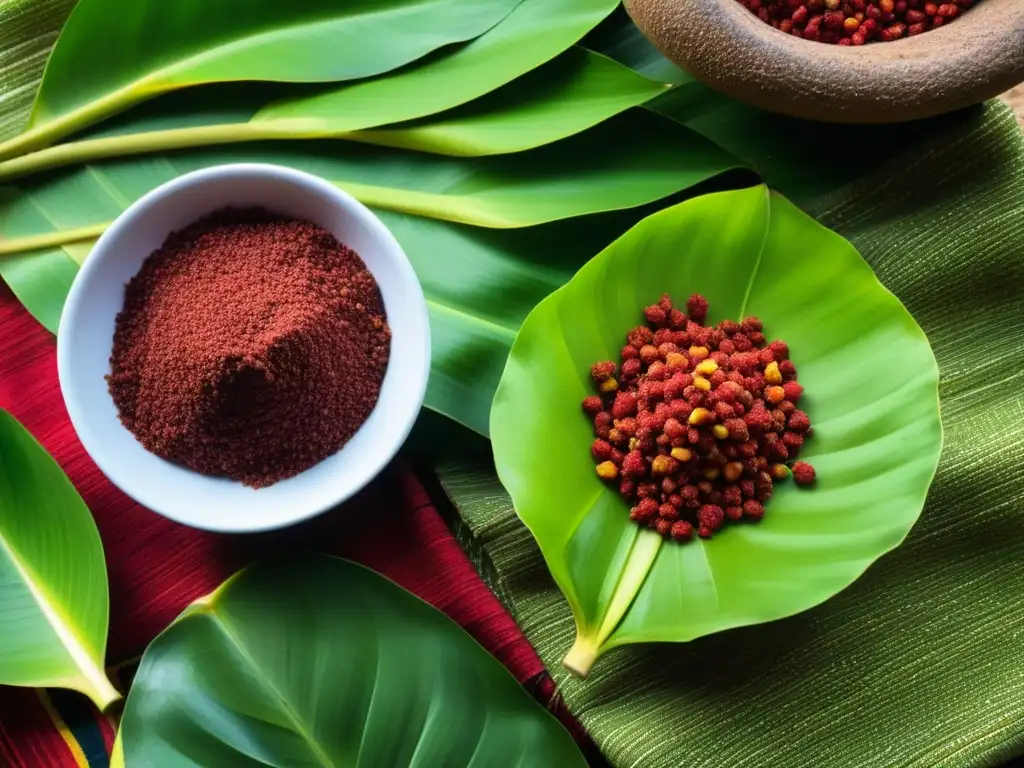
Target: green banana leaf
619 38
535 32
112 54
782 148
53 578
320 661
876 437
28 30
572 93
602 169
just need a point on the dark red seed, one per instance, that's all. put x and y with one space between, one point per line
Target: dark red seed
718 468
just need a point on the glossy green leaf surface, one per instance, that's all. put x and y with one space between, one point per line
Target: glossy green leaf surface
566 96
321 662
598 170
480 285
532 34
871 386
53 578
111 54
569 95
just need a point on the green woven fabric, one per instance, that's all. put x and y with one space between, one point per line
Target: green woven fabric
921 661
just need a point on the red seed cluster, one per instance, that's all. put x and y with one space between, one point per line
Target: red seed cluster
856 22
250 346
697 423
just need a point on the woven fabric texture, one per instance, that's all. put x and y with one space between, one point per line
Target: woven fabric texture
921 661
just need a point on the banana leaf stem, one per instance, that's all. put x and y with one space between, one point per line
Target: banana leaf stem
99 689
48 132
51 239
89 150
581 656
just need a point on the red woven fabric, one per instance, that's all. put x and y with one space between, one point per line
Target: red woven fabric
157 567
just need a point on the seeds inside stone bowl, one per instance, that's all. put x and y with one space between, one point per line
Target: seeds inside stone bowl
696 424
856 22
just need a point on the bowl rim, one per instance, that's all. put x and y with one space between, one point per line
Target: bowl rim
412 392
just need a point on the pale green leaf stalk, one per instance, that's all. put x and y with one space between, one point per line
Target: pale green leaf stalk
117 753
534 33
53 581
601 169
111 55
875 446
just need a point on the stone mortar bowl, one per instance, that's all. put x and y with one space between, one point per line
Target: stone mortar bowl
973 58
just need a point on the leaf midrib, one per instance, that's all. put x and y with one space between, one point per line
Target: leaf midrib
108 186
373 695
221 622
466 209
760 255
54 617
468 317
701 544
606 633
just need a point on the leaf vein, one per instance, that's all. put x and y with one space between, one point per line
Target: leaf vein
760 254
471 318
104 182
314 746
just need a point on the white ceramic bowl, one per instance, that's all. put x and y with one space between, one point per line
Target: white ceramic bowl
85 341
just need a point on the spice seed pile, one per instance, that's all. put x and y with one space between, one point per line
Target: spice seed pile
250 346
856 22
697 423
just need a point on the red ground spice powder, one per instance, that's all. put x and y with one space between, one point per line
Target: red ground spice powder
697 423
250 346
856 22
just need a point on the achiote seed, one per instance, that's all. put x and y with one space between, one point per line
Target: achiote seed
855 22
707 429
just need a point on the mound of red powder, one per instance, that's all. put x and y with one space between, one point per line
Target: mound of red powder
250 346
697 423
